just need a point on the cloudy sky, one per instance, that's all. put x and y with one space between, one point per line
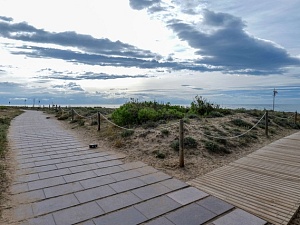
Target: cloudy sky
106 52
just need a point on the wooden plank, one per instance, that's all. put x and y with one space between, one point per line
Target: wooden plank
257 187
265 183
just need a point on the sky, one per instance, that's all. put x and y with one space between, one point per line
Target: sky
95 52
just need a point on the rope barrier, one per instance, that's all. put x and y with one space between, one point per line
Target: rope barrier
237 136
124 128
86 117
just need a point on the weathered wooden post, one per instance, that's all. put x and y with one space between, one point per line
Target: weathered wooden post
98 120
72 118
181 145
267 123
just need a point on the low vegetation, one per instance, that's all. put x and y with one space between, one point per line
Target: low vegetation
6 115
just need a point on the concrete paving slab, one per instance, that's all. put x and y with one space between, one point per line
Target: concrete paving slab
62 189
34 185
129 216
54 173
108 170
154 177
160 221
77 214
238 217
174 184
215 205
127 185
187 195
79 176
97 181
94 193
126 175
118 201
54 204
151 191
157 206
192 214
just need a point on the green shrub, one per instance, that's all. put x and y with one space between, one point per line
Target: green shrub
241 123
215 148
190 142
201 106
165 132
159 154
126 114
149 125
215 114
127 133
137 113
147 114
175 145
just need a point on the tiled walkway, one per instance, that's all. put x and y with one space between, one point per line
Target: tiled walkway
59 181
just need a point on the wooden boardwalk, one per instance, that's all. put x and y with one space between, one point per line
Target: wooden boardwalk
265 183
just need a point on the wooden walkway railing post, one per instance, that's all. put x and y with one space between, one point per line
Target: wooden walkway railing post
181 153
72 115
98 120
267 123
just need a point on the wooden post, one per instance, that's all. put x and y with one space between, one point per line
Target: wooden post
181 153
98 120
72 118
296 115
267 123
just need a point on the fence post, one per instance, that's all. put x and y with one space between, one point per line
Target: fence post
72 118
98 120
267 123
296 115
181 153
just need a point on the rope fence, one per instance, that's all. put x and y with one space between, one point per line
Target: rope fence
237 136
181 125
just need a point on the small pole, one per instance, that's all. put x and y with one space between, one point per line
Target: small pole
267 123
296 115
98 120
181 154
72 114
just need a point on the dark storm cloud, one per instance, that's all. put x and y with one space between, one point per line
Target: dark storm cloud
87 43
94 59
227 45
142 4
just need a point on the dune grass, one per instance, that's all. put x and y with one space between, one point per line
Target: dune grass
6 115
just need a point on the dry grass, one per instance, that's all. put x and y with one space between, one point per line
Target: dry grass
6 115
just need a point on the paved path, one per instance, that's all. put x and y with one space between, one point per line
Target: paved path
59 181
